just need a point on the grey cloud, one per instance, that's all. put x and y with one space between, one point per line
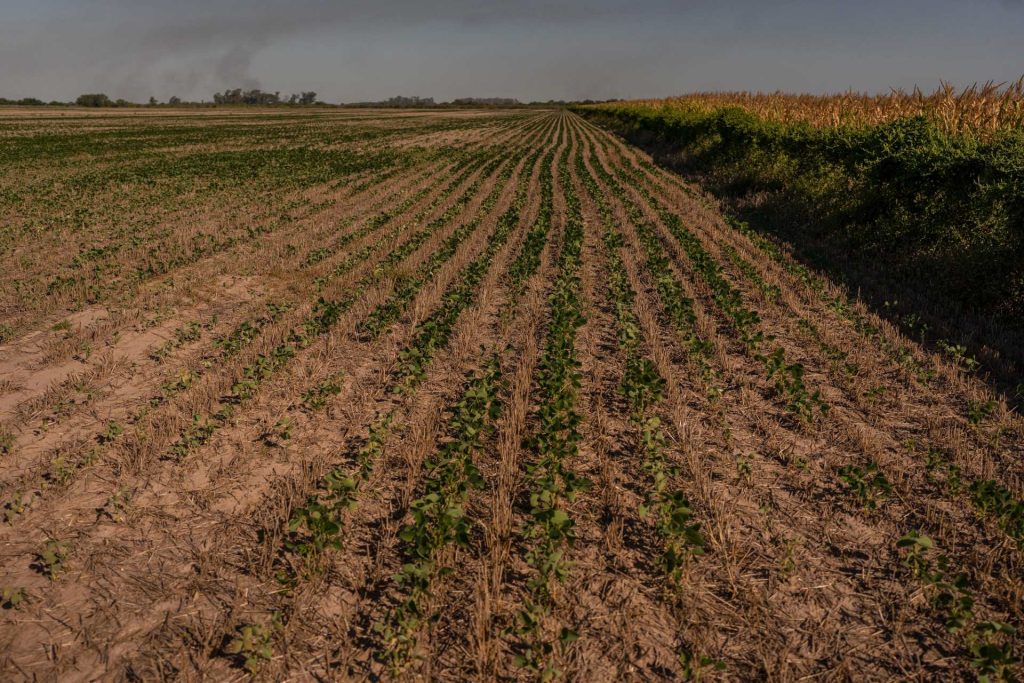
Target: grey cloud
135 46
363 49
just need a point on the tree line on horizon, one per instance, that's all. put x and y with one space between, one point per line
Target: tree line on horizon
257 97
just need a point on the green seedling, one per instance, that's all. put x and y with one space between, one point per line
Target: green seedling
6 442
958 354
195 435
183 381
11 597
277 435
116 506
110 434
950 593
996 501
993 660
318 397
695 666
63 468
788 562
744 466
978 411
18 504
51 559
868 483
252 646
875 393
917 546
322 526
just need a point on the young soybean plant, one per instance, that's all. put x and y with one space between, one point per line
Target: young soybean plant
51 558
987 641
252 644
439 515
866 482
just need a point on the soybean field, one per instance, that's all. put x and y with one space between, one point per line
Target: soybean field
464 395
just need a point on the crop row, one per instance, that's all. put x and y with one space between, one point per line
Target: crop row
155 253
988 497
643 388
950 594
318 524
319 254
435 331
528 260
326 314
157 250
788 377
677 307
331 502
837 302
439 518
433 532
473 162
98 272
323 316
407 285
549 528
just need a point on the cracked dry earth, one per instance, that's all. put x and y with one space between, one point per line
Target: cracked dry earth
456 396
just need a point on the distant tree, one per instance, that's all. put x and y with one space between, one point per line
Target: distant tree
152 101
307 98
227 97
486 101
402 101
27 101
94 100
239 96
175 100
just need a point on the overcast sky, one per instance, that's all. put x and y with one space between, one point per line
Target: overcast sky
351 50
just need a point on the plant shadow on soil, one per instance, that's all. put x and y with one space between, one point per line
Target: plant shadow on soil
917 307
